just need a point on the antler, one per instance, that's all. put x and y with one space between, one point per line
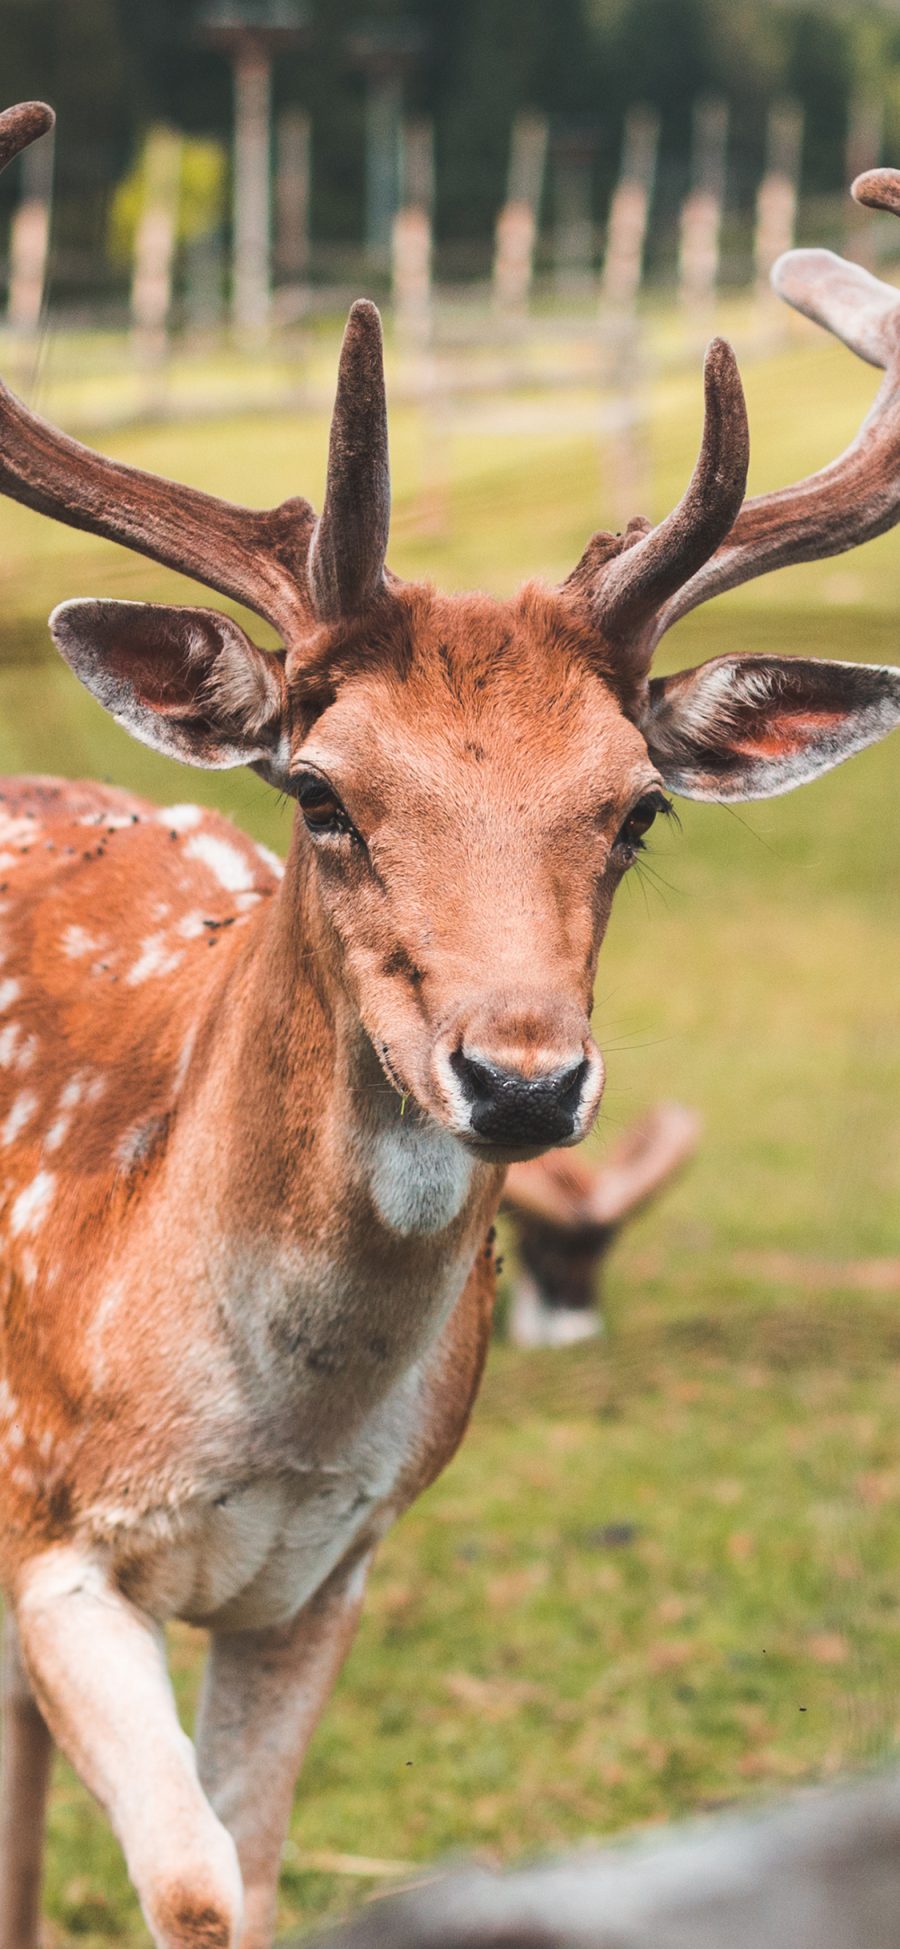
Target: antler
346 557
625 589
257 556
857 496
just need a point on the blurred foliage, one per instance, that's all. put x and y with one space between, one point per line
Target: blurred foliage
111 68
202 179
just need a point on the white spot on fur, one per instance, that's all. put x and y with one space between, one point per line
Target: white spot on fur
10 990
70 1097
21 1113
154 959
96 1333
9 1406
191 927
18 831
9 1038
28 1053
224 861
32 1203
180 818
420 1177
271 860
76 941
244 901
71 1093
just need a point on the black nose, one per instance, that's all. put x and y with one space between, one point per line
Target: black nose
509 1108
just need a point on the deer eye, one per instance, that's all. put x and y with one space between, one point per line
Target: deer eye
630 837
321 807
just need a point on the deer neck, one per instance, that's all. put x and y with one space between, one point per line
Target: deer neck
301 1150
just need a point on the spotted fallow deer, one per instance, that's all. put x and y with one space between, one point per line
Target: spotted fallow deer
254 1127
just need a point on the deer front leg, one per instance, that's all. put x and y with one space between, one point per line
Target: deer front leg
262 1697
24 1778
98 1670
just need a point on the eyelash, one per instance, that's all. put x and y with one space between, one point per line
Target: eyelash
659 806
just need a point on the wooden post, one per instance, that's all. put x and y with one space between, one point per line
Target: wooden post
412 285
205 276
516 232
411 274
573 223
701 217
251 272
776 201
623 445
626 236
293 178
29 239
417 163
865 134
154 246
384 103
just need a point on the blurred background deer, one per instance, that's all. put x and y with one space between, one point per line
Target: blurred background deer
567 1210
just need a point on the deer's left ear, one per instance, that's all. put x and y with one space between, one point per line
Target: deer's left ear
187 681
750 727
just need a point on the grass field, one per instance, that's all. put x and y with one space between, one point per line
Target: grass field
663 1571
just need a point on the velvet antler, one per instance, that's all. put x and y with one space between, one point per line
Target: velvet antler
855 497
346 557
626 592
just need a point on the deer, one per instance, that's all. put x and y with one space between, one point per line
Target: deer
566 1212
255 1122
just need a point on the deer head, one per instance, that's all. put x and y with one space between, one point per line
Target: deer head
475 777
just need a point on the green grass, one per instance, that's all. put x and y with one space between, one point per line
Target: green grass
522 1681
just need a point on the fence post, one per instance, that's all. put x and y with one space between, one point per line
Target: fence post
626 235
516 231
865 134
701 217
293 180
776 200
573 224
154 247
251 275
30 238
623 442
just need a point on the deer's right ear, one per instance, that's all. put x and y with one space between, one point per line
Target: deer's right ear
186 681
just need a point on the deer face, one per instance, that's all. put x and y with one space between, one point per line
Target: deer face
472 795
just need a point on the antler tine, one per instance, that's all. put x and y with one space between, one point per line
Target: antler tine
626 591
857 496
256 556
346 557
21 126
